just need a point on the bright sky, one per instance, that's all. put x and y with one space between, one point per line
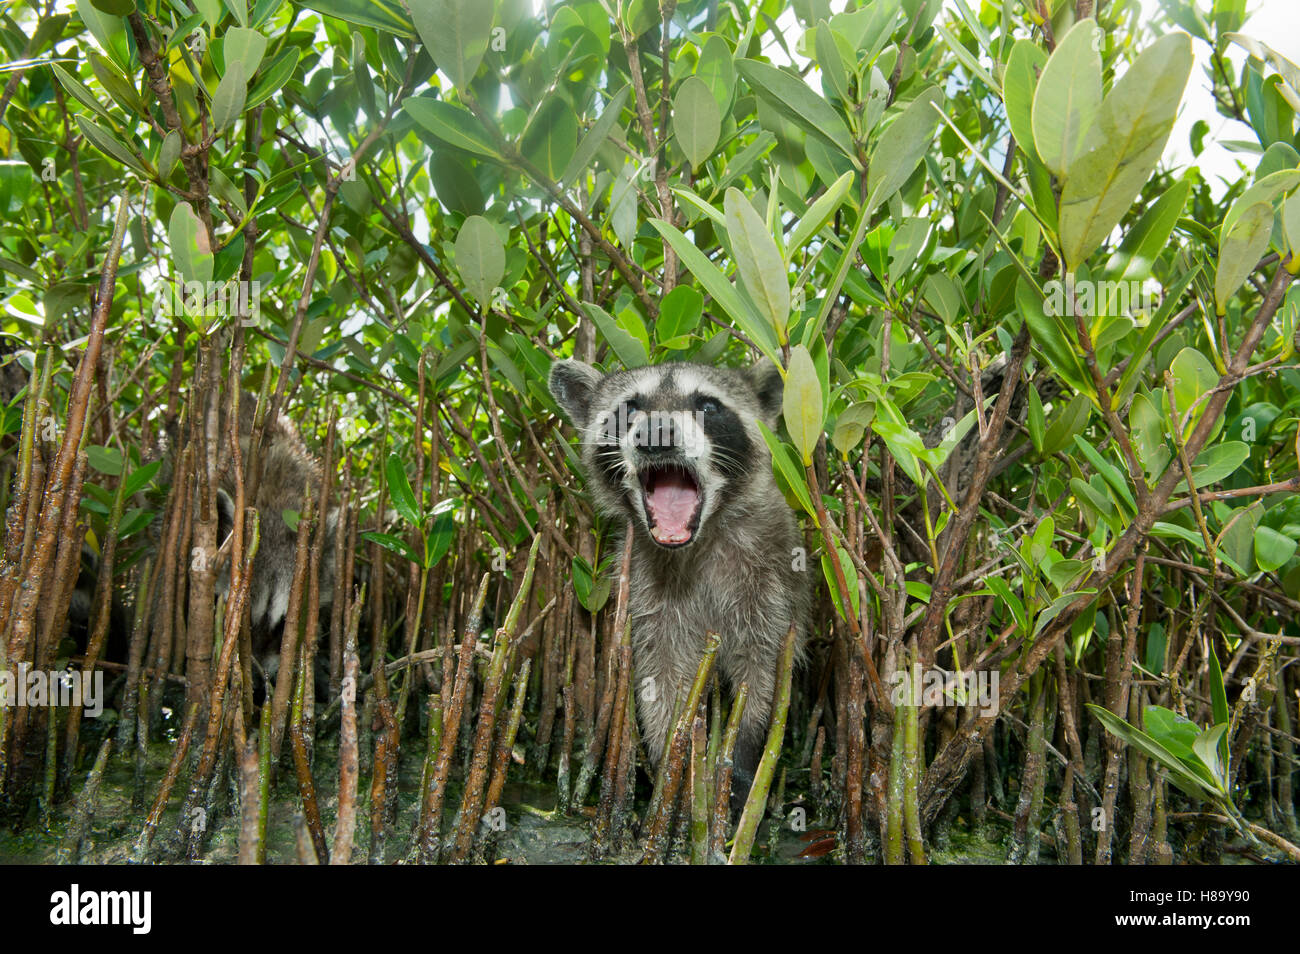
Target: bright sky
1275 22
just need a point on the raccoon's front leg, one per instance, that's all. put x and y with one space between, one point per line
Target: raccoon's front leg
654 709
659 690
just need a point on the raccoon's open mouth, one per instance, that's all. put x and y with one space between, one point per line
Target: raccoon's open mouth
672 504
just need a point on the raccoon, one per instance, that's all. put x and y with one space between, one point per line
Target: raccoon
287 468
675 450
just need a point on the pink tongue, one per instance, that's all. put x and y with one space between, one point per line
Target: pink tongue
672 500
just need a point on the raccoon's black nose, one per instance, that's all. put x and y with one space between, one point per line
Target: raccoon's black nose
658 434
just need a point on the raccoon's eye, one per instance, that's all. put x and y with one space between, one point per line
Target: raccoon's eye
630 407
707 405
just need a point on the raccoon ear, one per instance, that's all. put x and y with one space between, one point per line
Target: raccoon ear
769 388
572 385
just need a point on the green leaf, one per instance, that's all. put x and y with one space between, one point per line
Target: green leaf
133 521
552 137
480 258
679 313
627 347
902 146
1174 732
802 403
850 581
820 212
362 81
1240 249
935 456
455 184
210 10
1215 463
944 297
106 460
1037 421
456 33
640 15
721 290
717 67
1291 223
906 446
790 96
1266 189
80 92
697 120
119 88
1210 747
595 137
246 46
1057 607
1019 82
1013 602
454 125
830 61
868 29
109 32
140 477
226 191
906 245
789 470
48 30
393 545
1065 574
1142 351
759 262
1149 236
965 58
1114 477
386 15
1272 549
1180 774
1067 98
1172 531
439 539
1051 338
1194 376
1122 146
1087 494
812 330
169 154
273 77
1289 72
592 591
399 491
191 250
228 100
110 145
1218 696
851 426
1150 440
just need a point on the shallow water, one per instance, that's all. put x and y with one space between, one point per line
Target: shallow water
531 830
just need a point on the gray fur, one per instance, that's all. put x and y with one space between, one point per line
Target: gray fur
287 468
736 575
